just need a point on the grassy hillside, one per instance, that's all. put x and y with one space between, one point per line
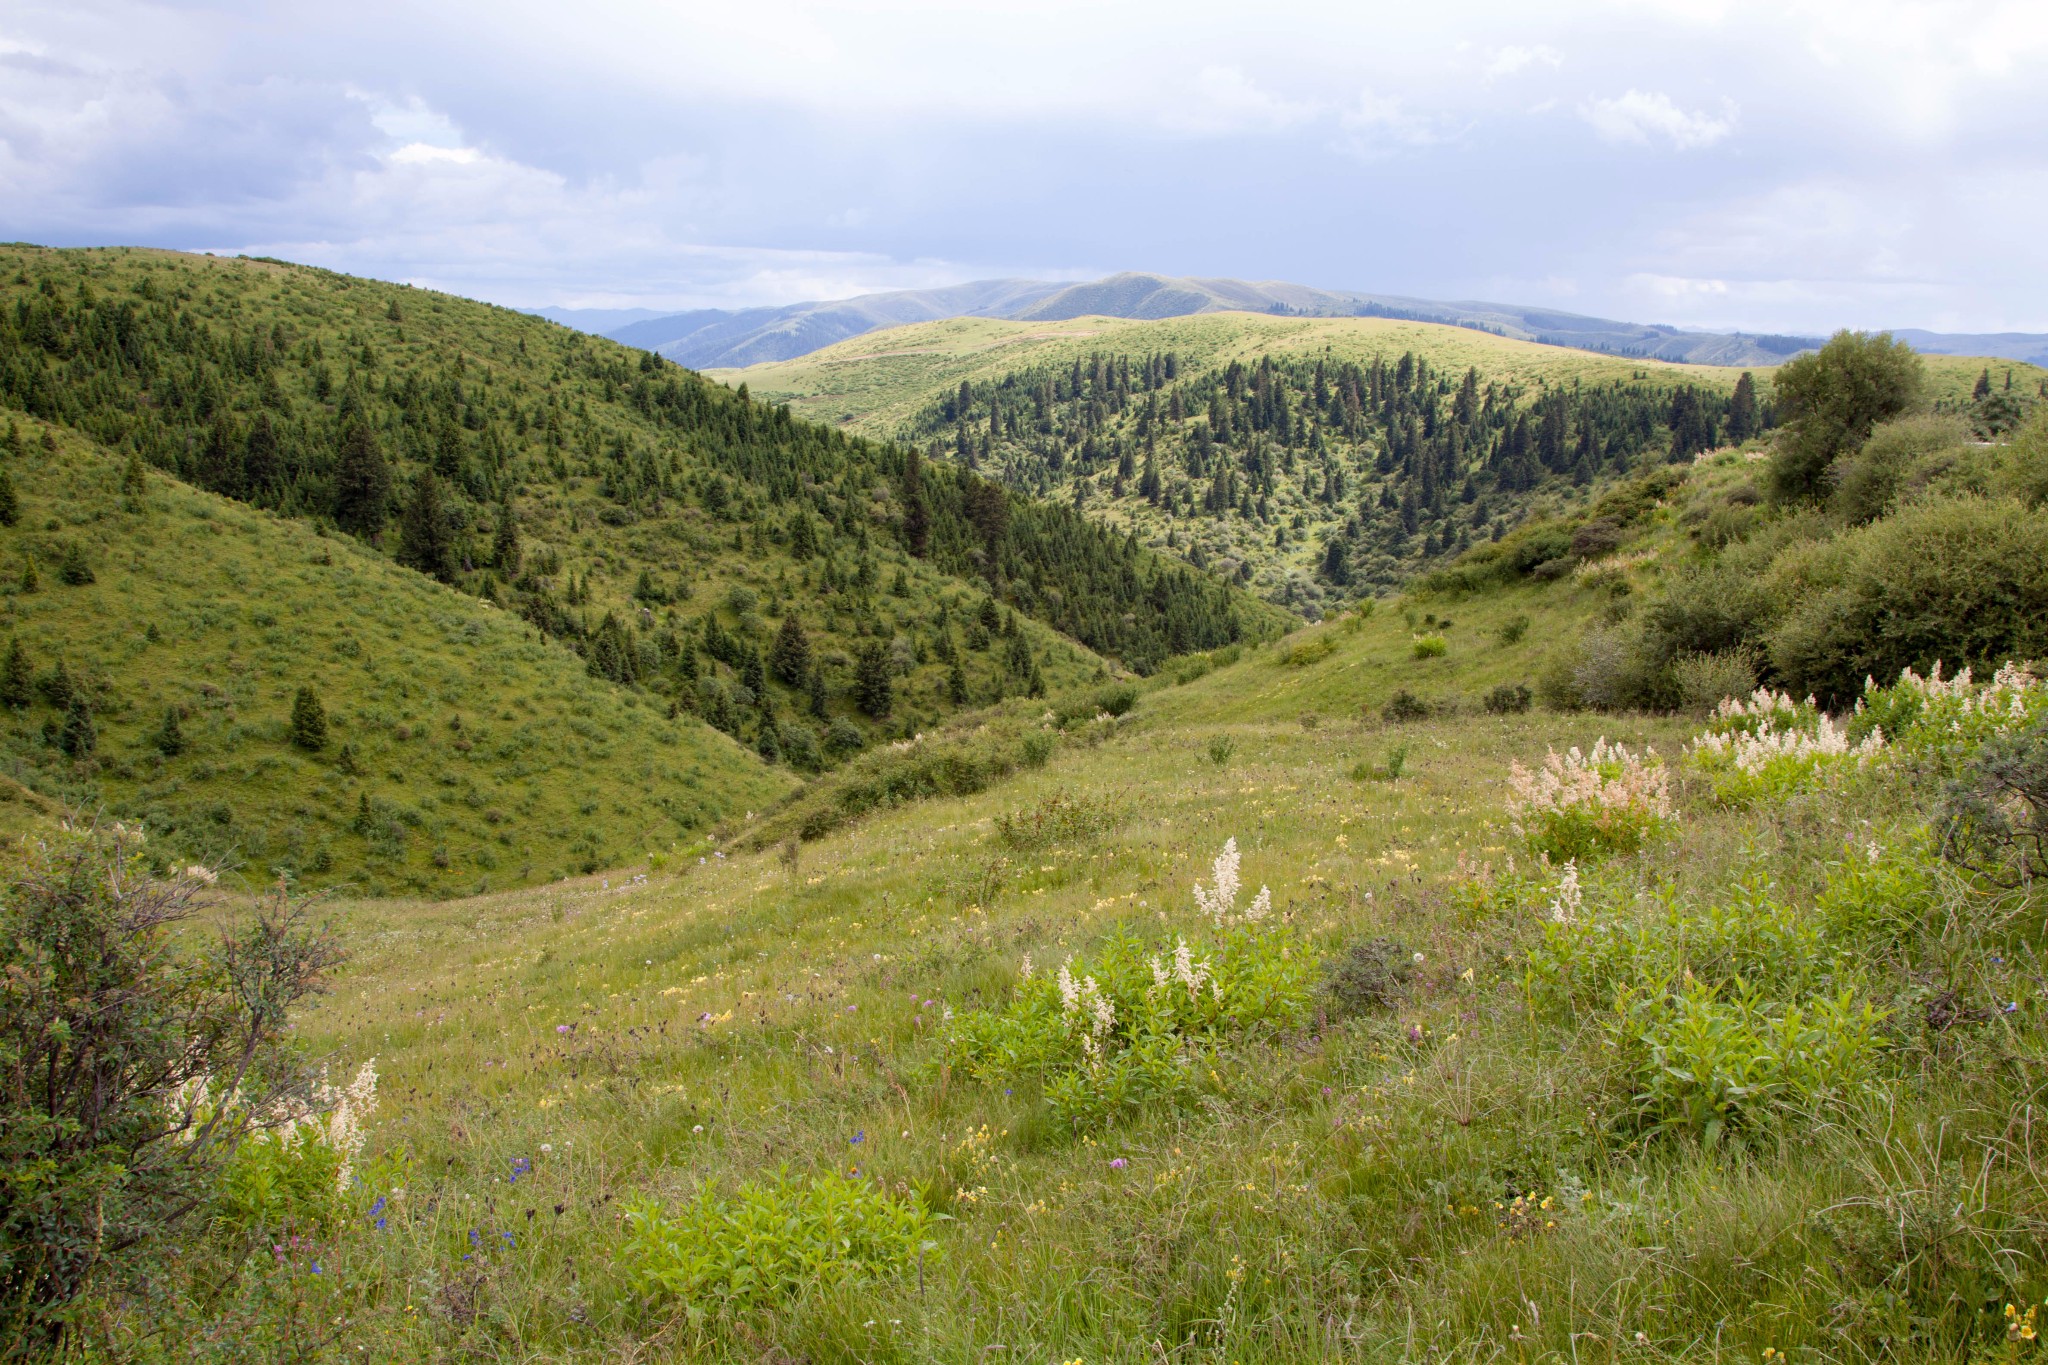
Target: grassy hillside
1452 1150
613 500
464 750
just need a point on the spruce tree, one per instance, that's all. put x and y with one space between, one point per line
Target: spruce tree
873 690
956 684
917 519
10 504
309 721
57 687
133 483
78 738
362 483
73 568
169 738
817 695
262 470
424 540
792 653
17 677
1742 414
505 554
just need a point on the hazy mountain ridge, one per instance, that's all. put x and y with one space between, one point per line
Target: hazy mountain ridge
714 338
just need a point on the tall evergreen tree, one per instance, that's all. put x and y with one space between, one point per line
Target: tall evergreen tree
10 503
792 654
169 738
873 686
424 539
309 721
505 556
362 483
262 467
917 518
17 677
79 738
1742 412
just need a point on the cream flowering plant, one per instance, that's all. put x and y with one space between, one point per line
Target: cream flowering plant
1580 805
1945 720
1771 746
1105 1035
296 1162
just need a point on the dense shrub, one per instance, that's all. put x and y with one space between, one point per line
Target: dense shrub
1509 699
1866 482
1372 975
1405 706
111 1039
1994 818
1830 400
1964 580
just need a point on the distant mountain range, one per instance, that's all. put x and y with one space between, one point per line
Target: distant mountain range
720 338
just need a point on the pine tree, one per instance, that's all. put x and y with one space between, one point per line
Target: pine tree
872 687
817 696
17 677
169 738
917 519
78 738
424 541
31 581
10 504
956 684
309 721
505 556
133 483
57 687
792 653
1982 389
362 483
73 568
262 471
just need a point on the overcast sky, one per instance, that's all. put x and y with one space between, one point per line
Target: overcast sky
1774 166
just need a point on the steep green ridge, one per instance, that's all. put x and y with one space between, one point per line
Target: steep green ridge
613 500
463 750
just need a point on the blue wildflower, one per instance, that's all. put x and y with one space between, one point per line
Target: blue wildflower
858 1138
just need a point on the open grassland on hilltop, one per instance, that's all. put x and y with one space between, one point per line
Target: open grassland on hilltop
462 748
874 383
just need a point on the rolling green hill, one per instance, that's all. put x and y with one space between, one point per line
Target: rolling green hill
1315 460
697 554
463 749
613 500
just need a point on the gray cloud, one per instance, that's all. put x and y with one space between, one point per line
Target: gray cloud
1713 161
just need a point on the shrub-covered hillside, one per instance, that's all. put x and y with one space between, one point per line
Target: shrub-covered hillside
1879 531
157 642
614 501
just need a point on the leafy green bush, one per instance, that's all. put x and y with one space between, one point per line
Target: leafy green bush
1220 749
1513 629
1964 580
1405 706
1428 647
1509 699
1867 482
1707 1061
110 1037
1313 650
770 1243
1060 818
1994 818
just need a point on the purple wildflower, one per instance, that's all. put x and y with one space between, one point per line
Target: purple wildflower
1118 1164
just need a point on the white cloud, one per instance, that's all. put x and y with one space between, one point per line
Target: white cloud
1637 117
1224 100
1507 61
1375 125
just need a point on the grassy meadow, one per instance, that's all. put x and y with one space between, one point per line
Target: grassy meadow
1451 1151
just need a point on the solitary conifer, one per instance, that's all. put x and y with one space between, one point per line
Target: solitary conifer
170 736
309 721
78 738
17 679
10 505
